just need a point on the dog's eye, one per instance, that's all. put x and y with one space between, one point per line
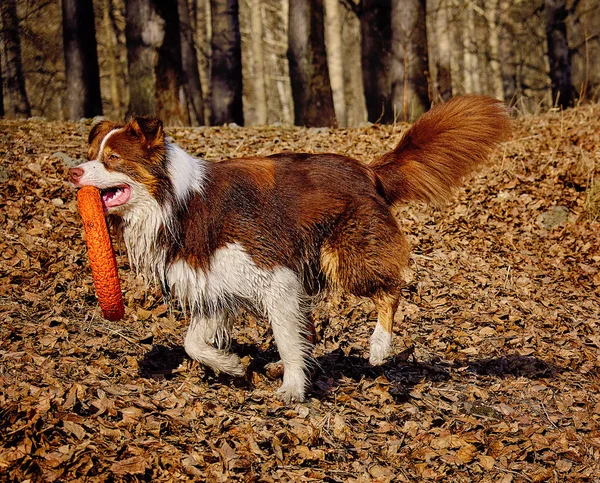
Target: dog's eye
113 157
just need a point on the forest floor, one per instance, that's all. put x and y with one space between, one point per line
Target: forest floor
496 373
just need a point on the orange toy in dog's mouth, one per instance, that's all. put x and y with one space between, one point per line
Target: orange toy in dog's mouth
101 253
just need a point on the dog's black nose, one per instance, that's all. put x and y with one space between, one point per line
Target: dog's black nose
75 174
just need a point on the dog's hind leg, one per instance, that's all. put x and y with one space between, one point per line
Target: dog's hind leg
381 339
283 301
203 335
367 255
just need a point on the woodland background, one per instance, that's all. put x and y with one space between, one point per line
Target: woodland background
303 62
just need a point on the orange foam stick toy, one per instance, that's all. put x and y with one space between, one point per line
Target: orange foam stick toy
101 253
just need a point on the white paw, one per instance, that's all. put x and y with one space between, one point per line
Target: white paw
381 346
230 364
291 394
294 385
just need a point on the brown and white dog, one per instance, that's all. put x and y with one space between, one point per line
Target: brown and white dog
215 235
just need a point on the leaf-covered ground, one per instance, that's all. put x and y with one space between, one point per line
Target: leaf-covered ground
496 375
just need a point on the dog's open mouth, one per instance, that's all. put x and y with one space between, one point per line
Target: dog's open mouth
115 196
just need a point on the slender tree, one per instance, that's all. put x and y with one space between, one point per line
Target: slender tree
144 33
409 67
311 89
258 68
334 44
154 60
376 31
189 65
1 92
441 49
81 59
558 52
111 46
226 67
169 74
493 17
15 80
470 58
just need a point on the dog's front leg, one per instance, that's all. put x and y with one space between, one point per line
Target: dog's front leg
202 336
283 301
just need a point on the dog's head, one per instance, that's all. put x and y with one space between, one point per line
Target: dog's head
127 164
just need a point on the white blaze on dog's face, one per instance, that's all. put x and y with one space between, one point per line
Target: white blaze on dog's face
128 165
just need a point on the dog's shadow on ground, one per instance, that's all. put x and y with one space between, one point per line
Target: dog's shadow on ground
402 371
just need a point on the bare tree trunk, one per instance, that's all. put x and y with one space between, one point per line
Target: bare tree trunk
81 59
508 59
470 59
15 81
171 95
311 89
442 61
457 40
154 60
260 93
1 90
376 30
409 69
493 17
226 68
144 32
333 41
111 50
277 76
204 34
558 52
189 67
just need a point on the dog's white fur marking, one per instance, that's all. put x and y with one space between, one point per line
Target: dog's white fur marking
233 275
381 345
186 172
103 143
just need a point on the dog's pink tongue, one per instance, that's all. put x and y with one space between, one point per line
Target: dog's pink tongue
116 197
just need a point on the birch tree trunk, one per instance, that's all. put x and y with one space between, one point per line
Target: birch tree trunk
376 30
311 89
558 52
18 104
81 60
493 17
470 59
409 68
333 42
189 67
226 65
260 93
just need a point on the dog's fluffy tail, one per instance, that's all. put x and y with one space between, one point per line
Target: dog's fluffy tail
441 148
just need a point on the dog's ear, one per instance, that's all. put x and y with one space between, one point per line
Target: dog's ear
149 130
97 134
